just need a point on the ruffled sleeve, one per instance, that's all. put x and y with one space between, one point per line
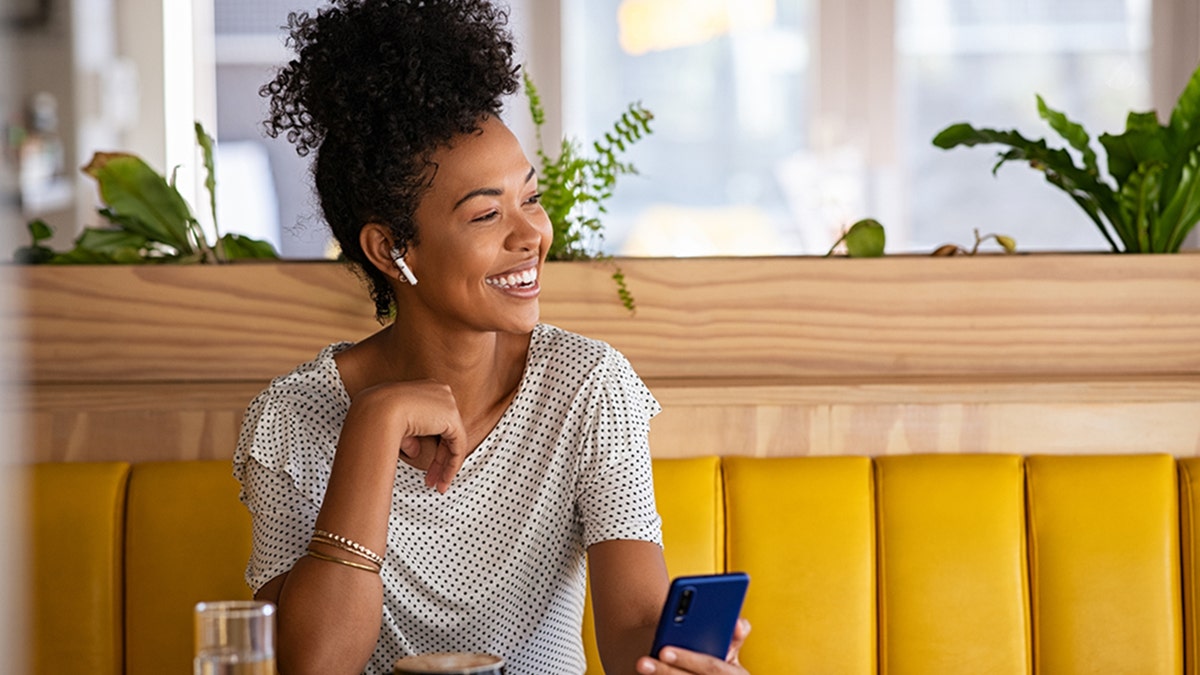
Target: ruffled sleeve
616 499
283 461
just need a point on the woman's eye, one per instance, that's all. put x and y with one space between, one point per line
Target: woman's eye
486 217
534 199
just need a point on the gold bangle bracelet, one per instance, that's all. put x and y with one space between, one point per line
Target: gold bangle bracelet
340 561
346 545
354 547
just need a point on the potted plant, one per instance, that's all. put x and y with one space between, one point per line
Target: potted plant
149 221
576 185
1150 199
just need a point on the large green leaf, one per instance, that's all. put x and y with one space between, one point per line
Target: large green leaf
134 191
115 246
1058 165
109 241
1185 118
1139 205
1182 210
965 134
210 180
1143 140
1107 217
239 247
1072 132
1182 138
82 256
1036 152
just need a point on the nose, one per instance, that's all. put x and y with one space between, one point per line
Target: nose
529 229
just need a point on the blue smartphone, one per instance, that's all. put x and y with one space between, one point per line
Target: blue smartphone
701 612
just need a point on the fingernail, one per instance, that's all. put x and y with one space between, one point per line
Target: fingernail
669 655
645 666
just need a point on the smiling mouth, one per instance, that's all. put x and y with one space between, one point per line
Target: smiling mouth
525 279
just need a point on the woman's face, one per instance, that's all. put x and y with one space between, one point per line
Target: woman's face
483 235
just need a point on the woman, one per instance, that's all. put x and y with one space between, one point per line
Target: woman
436 486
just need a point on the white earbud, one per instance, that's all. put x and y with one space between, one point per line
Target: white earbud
403 267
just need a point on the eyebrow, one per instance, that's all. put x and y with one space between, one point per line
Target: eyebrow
489 191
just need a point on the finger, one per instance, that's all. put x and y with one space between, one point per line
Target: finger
647 665
448 458
740 632
675 660
410 446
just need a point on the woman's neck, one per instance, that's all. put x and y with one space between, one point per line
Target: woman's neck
482 369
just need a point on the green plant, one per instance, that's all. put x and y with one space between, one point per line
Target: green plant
1154 198
150 222
575 186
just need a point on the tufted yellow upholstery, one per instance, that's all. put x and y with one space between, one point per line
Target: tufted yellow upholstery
188 539
689 494
77 513
1104 551
804 530
905 564
952 592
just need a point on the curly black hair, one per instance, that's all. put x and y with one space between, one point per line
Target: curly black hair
375 88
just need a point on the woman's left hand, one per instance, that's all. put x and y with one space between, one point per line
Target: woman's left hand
673 660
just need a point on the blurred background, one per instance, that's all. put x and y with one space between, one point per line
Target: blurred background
777 122
13 520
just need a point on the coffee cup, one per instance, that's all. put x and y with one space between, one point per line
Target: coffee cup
449 663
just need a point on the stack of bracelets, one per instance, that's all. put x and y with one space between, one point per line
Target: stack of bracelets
347 545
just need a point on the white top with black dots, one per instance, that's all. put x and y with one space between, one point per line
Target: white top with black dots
496 564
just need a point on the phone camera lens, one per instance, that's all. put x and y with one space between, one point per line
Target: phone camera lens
685 603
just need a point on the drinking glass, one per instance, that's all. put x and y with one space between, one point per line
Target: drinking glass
235 637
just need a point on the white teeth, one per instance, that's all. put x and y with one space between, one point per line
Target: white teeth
525 278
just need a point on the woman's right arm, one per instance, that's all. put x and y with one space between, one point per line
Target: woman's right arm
328 613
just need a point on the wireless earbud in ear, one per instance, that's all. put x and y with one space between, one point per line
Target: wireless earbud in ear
403 267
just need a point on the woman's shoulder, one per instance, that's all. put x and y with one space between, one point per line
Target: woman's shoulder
318 377
295 421
565 357
556 344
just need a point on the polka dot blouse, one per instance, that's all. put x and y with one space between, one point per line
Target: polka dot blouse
496 564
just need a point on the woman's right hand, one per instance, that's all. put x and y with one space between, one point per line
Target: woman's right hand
419 419
417 422
674 660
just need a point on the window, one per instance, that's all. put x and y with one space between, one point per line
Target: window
774 133
262 180
780 122
983 62
728 84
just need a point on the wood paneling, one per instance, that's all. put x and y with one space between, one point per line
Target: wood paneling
926 415
774 356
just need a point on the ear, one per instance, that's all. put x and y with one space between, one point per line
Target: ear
376 241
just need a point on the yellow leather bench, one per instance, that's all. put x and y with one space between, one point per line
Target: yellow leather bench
905 564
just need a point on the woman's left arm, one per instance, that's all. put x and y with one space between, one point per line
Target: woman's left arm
629 586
